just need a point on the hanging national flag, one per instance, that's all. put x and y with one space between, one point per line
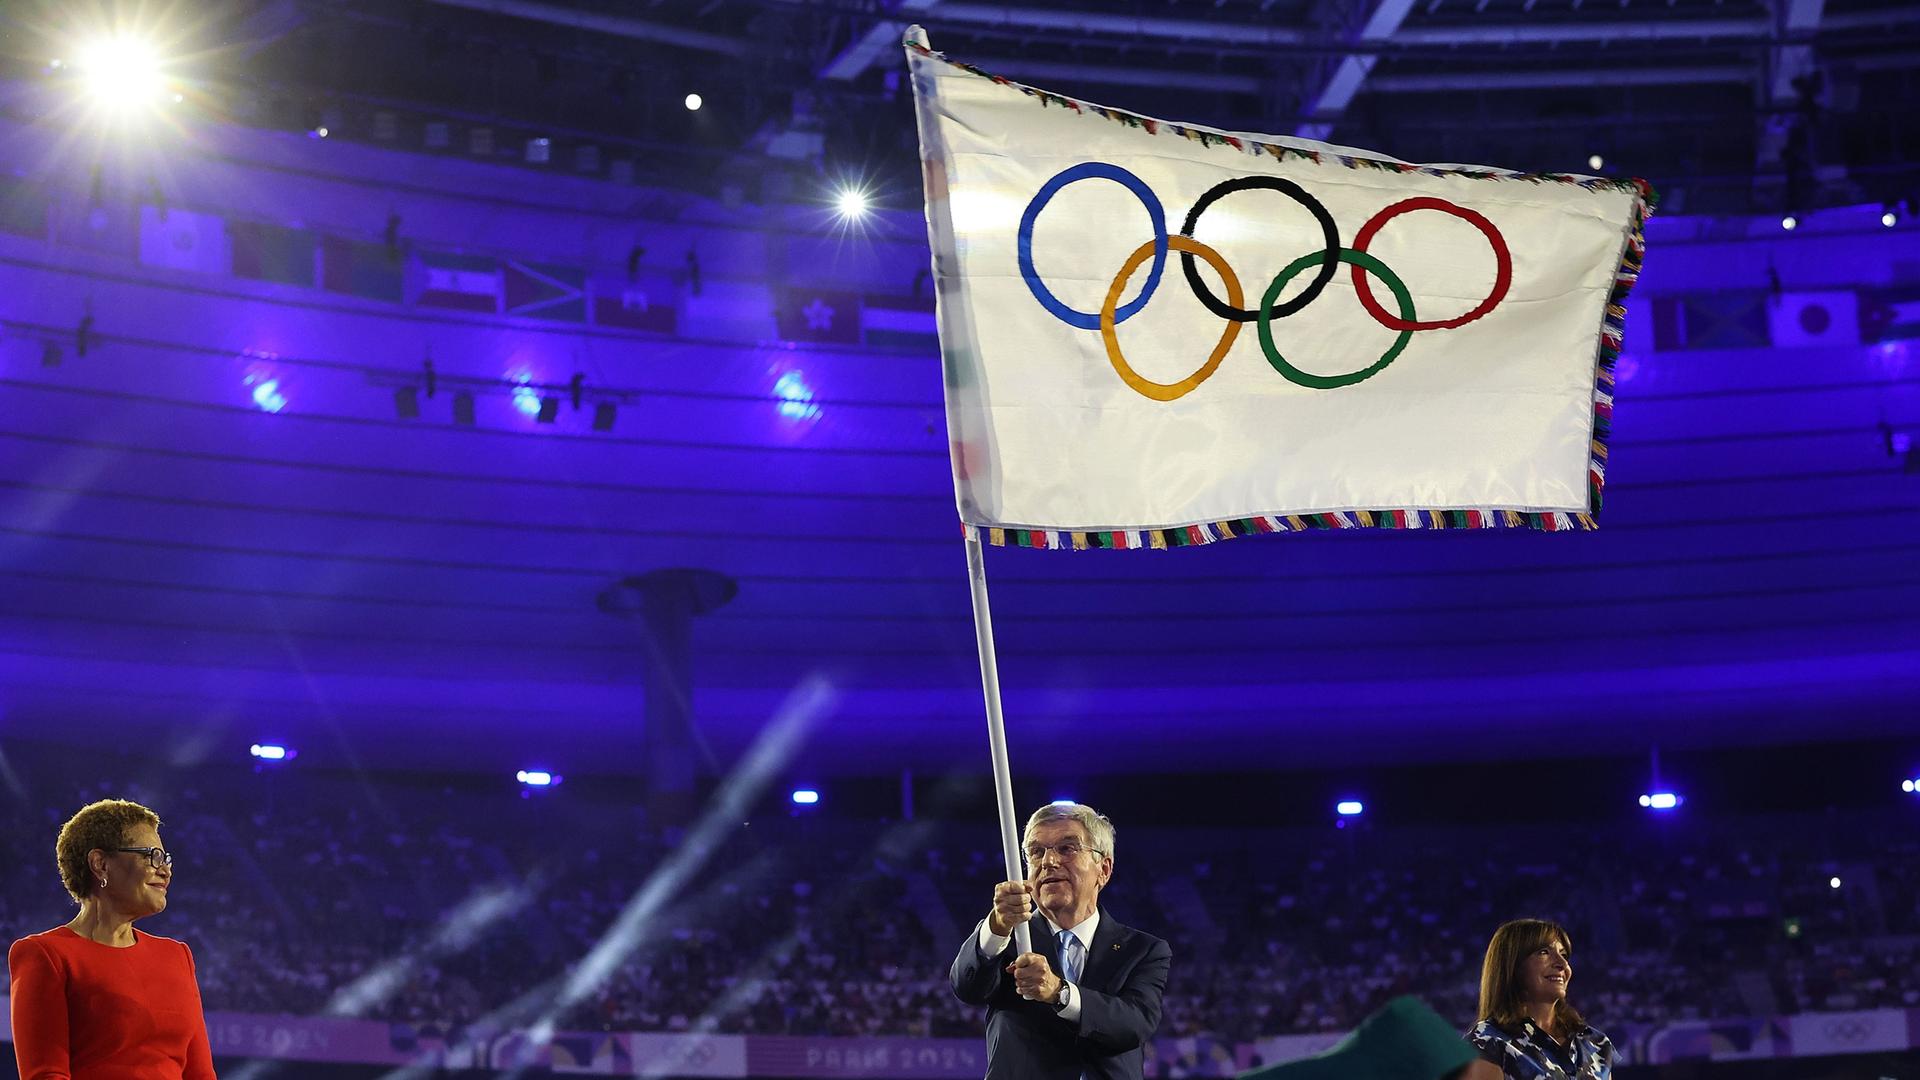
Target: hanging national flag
818 315
467 282
272 253
1162 334
636 305
1890 315
899 322
1806 320
184 240
23 208
375 271
545 291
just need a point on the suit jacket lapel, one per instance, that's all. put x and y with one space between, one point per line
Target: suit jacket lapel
1102 954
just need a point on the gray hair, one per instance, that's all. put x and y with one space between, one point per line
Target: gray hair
1099 829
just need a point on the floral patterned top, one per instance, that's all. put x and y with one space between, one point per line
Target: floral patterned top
1532 1054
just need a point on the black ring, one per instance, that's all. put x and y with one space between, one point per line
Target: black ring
1292 191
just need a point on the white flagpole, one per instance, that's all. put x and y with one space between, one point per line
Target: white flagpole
996 723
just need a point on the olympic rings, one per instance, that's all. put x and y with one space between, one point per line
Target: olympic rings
1359 260
1502 274
1085 171
1111 313
1188 247
1329 231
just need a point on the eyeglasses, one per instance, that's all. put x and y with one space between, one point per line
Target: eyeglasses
156 857
1068 851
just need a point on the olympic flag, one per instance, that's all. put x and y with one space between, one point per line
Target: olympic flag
1157 334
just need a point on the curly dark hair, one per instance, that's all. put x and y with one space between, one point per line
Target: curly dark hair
98 825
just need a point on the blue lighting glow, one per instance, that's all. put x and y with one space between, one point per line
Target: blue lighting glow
525 397
536 778
1063 802
269 752
1660 800
806 796
266 392
1349 807
1911 787
796 397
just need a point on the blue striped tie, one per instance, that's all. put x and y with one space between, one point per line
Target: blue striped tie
1069 957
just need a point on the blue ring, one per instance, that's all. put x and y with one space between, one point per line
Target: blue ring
1087 171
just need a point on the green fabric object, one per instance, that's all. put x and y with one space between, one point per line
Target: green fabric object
1403 1041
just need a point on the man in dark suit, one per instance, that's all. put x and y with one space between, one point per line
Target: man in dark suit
1087 999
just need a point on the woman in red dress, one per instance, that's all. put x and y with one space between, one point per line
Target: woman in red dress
95 998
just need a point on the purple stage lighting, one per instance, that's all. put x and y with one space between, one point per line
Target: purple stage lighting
1911 787
806 797
1660 800
526 399
536 778
270 752
1064 802
1349 808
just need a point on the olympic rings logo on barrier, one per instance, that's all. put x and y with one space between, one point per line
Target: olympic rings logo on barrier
1327 260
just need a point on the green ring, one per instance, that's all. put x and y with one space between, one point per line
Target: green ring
1329 382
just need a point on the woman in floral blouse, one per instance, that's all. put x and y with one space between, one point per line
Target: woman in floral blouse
1527 1027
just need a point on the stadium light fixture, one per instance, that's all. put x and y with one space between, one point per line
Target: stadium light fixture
121 73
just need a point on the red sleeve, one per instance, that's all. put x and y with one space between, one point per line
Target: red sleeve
199 1050
39 999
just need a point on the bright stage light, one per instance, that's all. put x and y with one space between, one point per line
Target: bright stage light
266 393
526 398
1911 787
1063 802
1348 808
694 102
121 72
852 204
1660 800
269 752
806 797
1833 883
796 397
1596 163
1789 223
536 778
1889 219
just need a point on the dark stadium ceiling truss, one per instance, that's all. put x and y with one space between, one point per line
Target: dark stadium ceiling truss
1731 104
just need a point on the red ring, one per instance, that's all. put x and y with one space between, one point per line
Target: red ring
1502 275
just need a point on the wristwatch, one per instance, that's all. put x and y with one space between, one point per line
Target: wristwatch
1066 996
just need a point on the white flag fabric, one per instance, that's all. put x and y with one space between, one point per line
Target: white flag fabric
1157 334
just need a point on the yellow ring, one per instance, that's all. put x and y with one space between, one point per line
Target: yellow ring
1143 385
